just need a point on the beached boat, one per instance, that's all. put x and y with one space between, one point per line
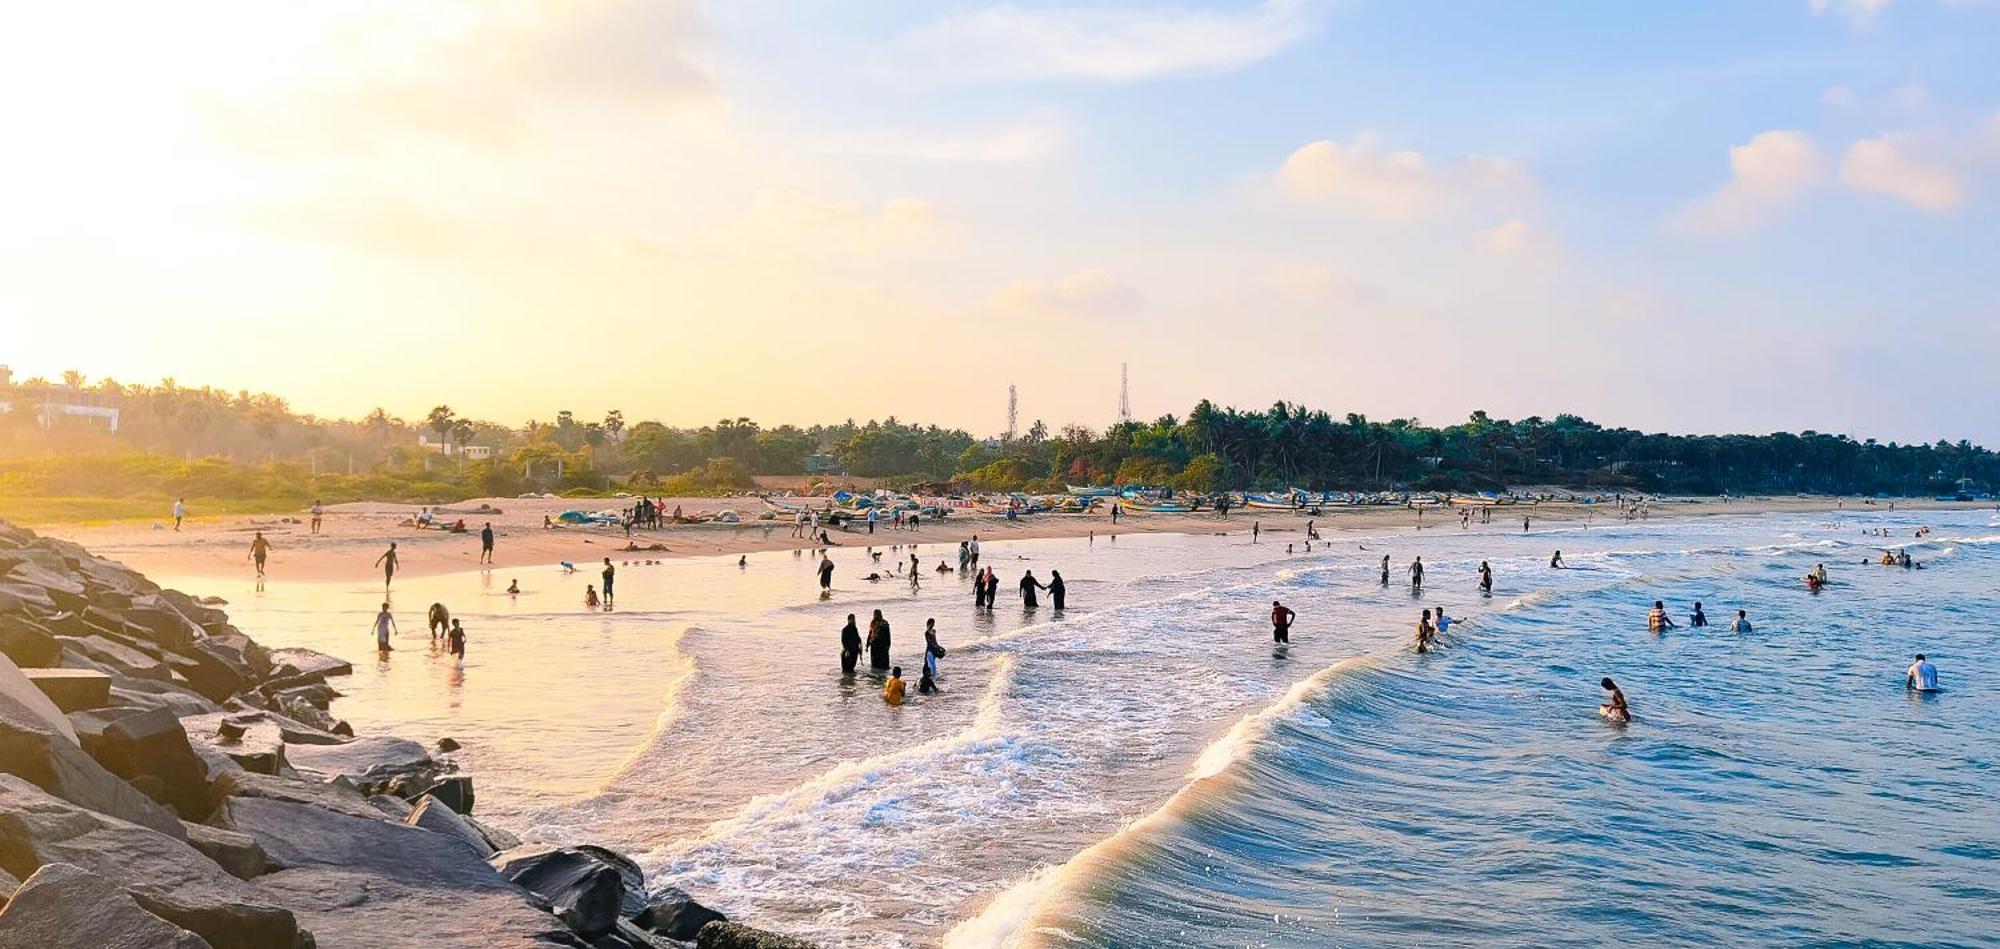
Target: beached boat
1106 492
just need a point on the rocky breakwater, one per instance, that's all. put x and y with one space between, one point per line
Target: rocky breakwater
166 781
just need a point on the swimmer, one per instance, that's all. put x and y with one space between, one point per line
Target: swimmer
1615 709
1699 618
1485 577
892 690
1281 622
1443 622
1922 676
1819 573
513 588
1658 620
1741 624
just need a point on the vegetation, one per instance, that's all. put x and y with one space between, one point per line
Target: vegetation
253 452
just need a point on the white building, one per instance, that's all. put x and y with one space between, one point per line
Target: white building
449 447
54 403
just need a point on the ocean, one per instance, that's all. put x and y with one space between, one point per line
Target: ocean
1147 768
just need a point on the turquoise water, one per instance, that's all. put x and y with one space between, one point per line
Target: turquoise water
1148 769
1776 787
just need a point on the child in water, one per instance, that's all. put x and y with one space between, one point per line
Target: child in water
590 596
456 639
1425 633
892 690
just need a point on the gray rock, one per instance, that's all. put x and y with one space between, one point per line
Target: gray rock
496 838
395 807
221 666
22 700
166 876
453 791
65 905
431 814
27 642
54 764
158 621
339 798
676 915
240 854
586 892
139 693
25 599
8 884
361 881
248 739
736 936
73 690
374 759
300 666
137 743
120 657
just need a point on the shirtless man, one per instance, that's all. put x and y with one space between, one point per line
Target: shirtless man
259 549
388 564
1615 708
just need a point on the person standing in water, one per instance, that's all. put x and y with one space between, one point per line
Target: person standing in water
1658 620
388 564
979 587
992 588
878 642
1524 525
1741 624
486 543
826 574
1281 622
1614 708
439 621
1028 587
927 683
1443 622
1385 570
850 646
259 549
1922 676
1556 562
893 689
610 573
1485 577
1698 618
1056 589
456 641
385 624
1417 573
1426 634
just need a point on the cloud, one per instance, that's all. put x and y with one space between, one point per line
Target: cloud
1857 12
1398 184
1516 238
1889 165
1768 172
1840 95
1008 42
1088 292
359 214
1029 139
784 219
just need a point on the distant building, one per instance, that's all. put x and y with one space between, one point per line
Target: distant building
55 403
449 447
822 463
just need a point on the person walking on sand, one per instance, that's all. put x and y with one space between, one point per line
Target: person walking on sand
878 642
259 549
1485 577
1056 589
388 564
610 573
1028 587
180 511
1922 676
894 689
486 543
385 624
850 646
1426 633
456 642
439 620
1417 573
1614 708
1256 529
317 513
1281 622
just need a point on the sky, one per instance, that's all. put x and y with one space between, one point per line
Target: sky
1700 217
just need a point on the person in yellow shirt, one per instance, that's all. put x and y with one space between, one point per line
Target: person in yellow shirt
892 690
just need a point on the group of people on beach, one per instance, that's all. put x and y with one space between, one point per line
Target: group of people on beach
445 629
877 645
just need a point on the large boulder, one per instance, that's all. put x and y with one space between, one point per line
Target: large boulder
73 690
158 621
361 881
587 892
33 751
293 667
27 642
676 915
221 666
431 814
336 797
122 658
167 877
248 740
141 693
22 701
720 935
149 748
453 791
65 905
24 599
372 760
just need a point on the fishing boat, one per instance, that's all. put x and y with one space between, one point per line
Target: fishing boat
1105 492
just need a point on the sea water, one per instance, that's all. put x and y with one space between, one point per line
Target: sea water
1147 768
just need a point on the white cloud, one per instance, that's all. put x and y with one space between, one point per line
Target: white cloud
1890 165
1515 238
1008 42
1029 139
1857 12
1398 184
789 222
1768 172
1840 95
1088 292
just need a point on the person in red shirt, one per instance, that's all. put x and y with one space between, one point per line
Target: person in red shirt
1281 622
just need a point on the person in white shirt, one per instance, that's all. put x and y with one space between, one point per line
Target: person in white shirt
385 623
1922 675
180 511
1742 623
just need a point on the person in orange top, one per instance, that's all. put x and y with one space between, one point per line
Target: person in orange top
892 690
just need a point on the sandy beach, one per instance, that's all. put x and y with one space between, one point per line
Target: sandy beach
353 535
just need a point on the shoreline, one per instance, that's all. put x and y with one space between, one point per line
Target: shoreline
355 534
